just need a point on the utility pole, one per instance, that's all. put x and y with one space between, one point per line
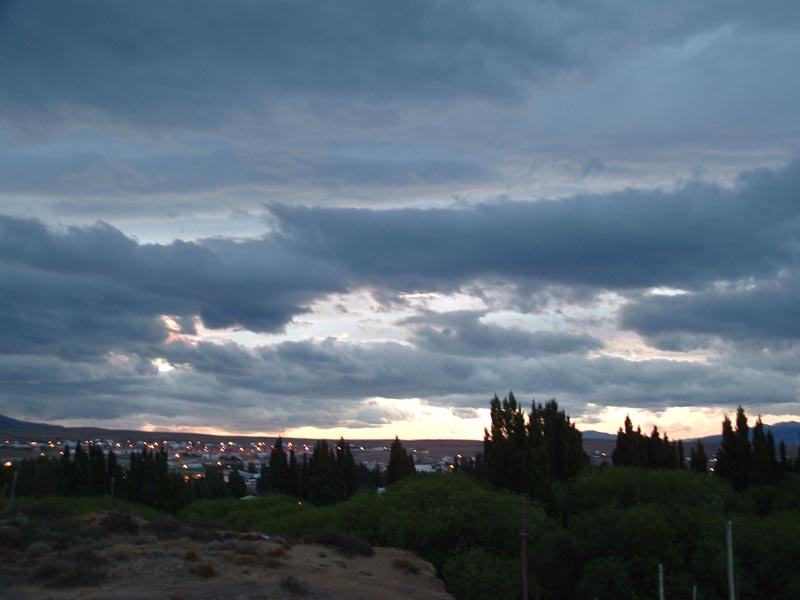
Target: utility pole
660 581
523 538
729 542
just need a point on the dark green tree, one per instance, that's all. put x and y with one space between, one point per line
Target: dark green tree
346 483
784 460
98 479
80 472
401 463
278 468
699 458
293 483
236 484
527 457
761 461
742 451
321 479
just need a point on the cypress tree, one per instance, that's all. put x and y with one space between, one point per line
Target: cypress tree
699 458
726 457
742 451
293 483
784 461
401 464
761 471
278 468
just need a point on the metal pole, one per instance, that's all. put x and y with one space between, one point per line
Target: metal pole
523 536
660 581
729 542
694 592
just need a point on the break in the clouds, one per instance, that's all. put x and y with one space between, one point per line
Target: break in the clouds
270 215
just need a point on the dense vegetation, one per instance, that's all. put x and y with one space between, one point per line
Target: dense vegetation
591 533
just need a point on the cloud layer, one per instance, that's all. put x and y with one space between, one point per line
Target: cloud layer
279 213
83 308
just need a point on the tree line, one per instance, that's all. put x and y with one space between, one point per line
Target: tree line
326 476
329 474
92 472
526 453
745 456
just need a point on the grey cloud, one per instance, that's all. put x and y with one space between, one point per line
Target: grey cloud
96 282
346 373
151 66
257 285
685 238
462 333
760 312
275 387
154 64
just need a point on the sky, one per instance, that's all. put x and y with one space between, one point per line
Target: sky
366 218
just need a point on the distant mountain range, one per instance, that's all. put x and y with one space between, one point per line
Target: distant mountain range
787 432
9 423
598 435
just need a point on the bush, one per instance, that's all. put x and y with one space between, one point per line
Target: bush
118 521
294 586
345 543
78 568
477 574
406 565
206 570
166 527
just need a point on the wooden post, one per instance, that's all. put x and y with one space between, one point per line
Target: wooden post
523 536
660 581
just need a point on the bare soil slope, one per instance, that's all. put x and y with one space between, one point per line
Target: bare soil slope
116 556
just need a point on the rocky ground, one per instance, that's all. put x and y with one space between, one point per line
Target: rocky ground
115 555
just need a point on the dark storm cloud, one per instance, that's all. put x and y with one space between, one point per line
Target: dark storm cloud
91 286
188 64
463 333
279 387
332 373
80 306
687 238
96 282
151 64
83 182
766 312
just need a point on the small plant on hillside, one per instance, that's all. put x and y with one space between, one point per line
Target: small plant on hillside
406 565
294 586
206 570
345 543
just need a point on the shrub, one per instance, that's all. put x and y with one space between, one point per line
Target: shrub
345 543
206 570
74 569
191 556
166 527
294 586
118 521
406 565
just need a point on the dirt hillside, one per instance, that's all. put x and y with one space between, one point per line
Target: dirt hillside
115 556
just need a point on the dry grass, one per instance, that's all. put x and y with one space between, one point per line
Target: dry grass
191 556
345 543
406 565
294 586
206 570
279 552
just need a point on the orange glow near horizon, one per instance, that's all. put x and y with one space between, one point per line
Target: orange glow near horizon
415 419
